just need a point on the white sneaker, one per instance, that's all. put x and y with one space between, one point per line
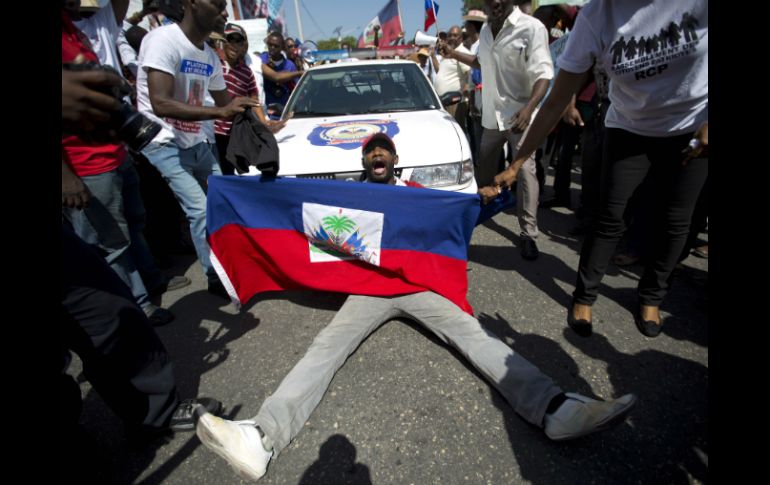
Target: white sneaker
238 442
579 416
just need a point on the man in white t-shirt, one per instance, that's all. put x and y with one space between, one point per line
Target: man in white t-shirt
452 74
516 67
177 68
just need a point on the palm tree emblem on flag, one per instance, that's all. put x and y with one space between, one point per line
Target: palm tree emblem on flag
335 236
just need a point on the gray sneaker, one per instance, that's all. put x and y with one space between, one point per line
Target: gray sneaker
580 415
238 442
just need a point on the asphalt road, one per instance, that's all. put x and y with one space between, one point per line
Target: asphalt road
406 409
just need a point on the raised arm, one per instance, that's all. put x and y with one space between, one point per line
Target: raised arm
450 53
161 87
279 77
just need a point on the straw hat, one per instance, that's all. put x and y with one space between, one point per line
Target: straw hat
475 16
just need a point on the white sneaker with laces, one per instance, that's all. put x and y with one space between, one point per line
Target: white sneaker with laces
580 415
238 442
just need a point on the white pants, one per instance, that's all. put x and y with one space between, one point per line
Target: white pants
283 414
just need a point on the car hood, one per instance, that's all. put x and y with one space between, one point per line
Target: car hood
333 144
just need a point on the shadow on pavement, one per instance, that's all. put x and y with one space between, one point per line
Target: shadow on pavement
336 465
194 350
669 443
665 439
319 300
543 273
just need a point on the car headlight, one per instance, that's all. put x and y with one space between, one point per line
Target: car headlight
456 173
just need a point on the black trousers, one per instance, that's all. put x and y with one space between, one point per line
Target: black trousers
628 158
123 358
592 161
563 173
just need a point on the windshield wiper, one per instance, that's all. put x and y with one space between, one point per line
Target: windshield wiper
390 110
303 114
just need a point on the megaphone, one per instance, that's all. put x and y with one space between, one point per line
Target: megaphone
307 51
421 38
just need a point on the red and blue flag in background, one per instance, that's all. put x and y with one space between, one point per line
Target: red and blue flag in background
350 237
390 27
431 11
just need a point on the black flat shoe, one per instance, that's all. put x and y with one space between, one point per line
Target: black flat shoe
647 327
584 328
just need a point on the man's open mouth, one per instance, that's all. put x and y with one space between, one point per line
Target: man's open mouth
379 167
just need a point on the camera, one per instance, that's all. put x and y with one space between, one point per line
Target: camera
135 129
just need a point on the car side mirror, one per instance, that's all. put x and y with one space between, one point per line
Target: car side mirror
450 98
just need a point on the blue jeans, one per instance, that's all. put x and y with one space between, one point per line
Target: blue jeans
186 171
523 385
113 222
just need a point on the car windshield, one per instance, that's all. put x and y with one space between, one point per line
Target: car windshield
352 89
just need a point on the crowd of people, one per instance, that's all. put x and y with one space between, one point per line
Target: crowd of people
634 106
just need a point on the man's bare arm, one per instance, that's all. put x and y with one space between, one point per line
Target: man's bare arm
161 87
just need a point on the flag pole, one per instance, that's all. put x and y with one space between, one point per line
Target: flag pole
400 19
299 22
435 15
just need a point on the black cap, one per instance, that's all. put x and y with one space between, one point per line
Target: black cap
379 136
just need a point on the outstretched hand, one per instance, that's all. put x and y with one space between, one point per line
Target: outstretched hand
238 105
275 125
507 177
489 193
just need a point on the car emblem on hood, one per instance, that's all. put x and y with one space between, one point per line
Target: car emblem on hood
350 134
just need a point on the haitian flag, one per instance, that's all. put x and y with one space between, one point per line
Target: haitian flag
431 11
390 27
349 237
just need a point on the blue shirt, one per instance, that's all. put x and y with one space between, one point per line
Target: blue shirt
276 92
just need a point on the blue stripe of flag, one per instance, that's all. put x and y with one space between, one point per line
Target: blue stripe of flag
416 219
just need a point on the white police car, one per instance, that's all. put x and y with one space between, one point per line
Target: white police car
336 106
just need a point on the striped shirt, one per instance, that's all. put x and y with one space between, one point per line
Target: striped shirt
240 82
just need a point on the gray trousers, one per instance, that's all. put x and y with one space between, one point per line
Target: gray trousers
527 189
283 414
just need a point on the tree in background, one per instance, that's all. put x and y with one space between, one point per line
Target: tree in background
334 44
472 5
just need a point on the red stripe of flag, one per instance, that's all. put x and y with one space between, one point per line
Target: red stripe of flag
278 259
431 9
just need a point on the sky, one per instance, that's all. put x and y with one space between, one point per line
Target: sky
354 15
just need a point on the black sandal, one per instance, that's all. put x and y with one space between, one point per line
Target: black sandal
582 327
648 327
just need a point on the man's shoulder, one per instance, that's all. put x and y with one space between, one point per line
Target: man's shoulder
163 32
528 22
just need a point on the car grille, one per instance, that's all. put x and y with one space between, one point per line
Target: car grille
343 176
